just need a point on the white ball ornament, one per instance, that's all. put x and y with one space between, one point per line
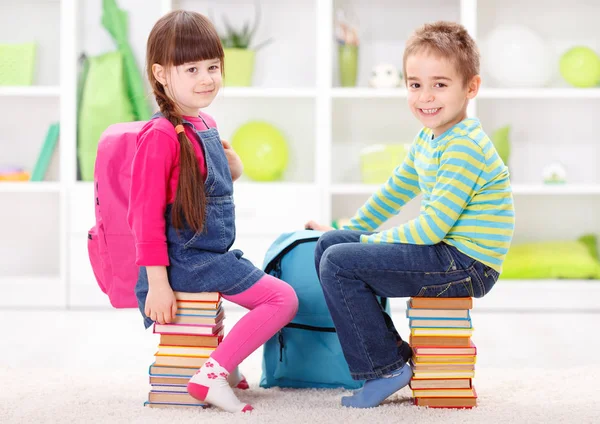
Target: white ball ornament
516 56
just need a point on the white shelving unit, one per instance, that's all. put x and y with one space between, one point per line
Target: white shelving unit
296 88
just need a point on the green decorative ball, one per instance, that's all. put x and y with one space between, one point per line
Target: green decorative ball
580 67
263 150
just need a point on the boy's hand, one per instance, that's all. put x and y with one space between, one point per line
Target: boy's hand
235 163
312 225
161 305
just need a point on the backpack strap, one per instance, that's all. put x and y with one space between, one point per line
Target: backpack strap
159 114
284 243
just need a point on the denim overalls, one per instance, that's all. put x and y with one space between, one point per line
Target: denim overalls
202 262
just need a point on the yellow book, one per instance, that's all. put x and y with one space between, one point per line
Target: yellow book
448 332
443 367
443 374
202 352
442 359
179 361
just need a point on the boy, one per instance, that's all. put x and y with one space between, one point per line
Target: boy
454 248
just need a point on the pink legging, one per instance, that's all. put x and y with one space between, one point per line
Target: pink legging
272 303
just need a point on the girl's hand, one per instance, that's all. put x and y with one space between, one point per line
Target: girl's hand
161 305
235 163
312 225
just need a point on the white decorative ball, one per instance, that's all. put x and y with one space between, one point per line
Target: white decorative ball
516 56
385 75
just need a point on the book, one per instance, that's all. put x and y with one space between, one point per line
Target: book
179 361
435 349
440 341
202 312
445 393
444 323
437 313
449 383
43 161
190 340
441 302
433 402
199 319
167 371
423 375
164 397
449 332
443 359
184 304
198 329
169 380
203 352
198 297
15 176
443 367
169 388
173 405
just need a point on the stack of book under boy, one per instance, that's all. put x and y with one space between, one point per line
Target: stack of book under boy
443 353
185 344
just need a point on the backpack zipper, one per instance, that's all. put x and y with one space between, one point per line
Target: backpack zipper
300 327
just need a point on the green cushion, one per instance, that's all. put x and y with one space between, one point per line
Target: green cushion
575 259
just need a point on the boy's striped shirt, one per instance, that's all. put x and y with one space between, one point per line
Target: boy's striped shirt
467 198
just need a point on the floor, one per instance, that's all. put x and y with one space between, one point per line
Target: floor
80 366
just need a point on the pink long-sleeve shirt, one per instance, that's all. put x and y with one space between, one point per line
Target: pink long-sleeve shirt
154 178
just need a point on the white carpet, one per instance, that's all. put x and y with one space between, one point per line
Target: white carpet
565 395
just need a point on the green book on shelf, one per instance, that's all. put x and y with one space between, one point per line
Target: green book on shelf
43 160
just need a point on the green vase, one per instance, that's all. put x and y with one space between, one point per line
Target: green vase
348 61
239 67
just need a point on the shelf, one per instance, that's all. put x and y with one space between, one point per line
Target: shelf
249 185
30 91
557 189
539 93
268 93
30 187
368 93
518 189
524 296
484 93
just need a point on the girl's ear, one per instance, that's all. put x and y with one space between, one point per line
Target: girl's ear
159 73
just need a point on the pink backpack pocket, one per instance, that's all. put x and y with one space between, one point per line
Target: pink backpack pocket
95 258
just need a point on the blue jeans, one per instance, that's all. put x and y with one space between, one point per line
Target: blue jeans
352 274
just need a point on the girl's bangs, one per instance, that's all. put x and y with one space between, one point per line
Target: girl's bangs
195 42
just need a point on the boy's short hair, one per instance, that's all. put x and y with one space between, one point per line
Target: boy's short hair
448 40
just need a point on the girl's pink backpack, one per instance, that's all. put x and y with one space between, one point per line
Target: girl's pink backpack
110 242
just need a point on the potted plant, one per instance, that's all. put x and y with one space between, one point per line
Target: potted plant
239 55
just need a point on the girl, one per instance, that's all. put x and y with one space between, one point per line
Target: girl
181 206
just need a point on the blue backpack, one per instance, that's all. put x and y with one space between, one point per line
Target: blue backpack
306 352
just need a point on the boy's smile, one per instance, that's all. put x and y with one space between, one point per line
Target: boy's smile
437 95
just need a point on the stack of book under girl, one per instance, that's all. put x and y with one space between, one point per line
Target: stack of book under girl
185 344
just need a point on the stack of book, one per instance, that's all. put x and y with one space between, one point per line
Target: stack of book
185 344
443 353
